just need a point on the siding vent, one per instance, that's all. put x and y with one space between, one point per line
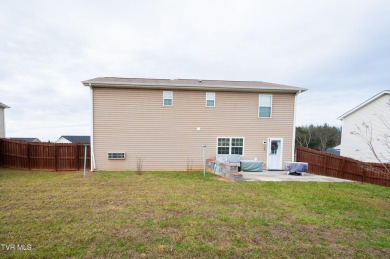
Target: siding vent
116 155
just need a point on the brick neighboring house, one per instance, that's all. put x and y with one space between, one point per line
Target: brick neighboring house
2 119
166 122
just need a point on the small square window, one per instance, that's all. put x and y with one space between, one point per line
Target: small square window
265 112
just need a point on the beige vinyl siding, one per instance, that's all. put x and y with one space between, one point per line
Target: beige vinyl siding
135 121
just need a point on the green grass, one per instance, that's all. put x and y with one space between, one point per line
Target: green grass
183 215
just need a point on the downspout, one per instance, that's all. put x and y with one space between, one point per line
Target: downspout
93 163
3 123
4 127
342 134
294 126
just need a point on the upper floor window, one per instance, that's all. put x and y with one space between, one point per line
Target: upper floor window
265 105
167 98
210 99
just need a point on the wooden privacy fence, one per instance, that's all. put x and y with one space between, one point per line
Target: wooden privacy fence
342 167
43 156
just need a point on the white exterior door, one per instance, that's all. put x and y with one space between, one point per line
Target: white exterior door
274 154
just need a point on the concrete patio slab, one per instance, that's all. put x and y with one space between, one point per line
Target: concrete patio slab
282 176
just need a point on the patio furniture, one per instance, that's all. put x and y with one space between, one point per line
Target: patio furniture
251 166
296 167
225 164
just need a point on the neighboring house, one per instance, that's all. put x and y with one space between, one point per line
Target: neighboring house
335 150
27 139
74 139
163 123
369 120
2 119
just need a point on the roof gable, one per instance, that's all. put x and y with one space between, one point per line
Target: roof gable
372 99
75 139
190 84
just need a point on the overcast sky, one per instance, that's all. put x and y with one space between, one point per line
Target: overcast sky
338 50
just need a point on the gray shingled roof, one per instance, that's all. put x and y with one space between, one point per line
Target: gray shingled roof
27 139
76 139
333 151
191 84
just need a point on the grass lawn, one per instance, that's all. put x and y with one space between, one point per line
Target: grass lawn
183 215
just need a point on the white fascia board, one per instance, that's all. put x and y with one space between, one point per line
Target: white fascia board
363 104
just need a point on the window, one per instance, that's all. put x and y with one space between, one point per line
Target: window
223 146
265 105
230 146
116 155
210 99
274 146
168 98
237 146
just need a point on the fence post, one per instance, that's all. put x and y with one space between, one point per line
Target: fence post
341 168
364 172
77 157
55 158
326 165
1 152
28 157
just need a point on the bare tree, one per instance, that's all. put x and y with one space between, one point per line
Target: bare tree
323 136
318 137
189 164
303 136
140 162
365 133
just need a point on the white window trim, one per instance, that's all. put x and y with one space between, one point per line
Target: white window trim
208 99
116 152
230 147
167 98
258 108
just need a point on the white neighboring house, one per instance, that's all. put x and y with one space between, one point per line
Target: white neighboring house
74 139
367 122
2 119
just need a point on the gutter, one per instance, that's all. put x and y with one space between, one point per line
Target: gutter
192 87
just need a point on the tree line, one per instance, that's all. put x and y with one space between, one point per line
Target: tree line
319 137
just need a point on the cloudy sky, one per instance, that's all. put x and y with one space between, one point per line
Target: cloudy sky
339 50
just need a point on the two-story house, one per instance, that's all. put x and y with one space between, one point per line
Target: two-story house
165 122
